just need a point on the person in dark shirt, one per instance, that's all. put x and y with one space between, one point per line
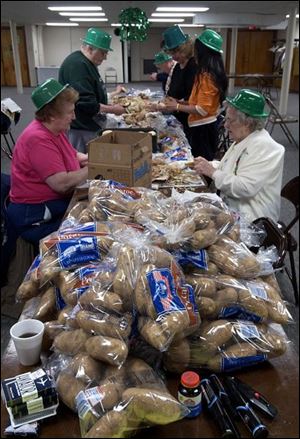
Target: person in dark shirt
165 64
80 70
181 48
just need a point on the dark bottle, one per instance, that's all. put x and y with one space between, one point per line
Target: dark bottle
189 393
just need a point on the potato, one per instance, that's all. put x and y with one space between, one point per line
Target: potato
114 423
68 388
272 344
142 295
201 220
27 290
152 332
105 324
224 221
203 238
253 304
70 342
66 317
49 268
86 369
123 287
107 349
46 309
215 334
153 406
237 350
206 306
203 286
177 358
211 270
97 298
225 297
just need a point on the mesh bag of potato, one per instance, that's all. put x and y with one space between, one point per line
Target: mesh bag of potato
225 345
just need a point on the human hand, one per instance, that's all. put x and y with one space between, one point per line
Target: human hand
82 158
204 167
170 104
120 89
153 76
118 109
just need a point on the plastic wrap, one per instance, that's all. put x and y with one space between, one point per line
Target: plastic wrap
225 345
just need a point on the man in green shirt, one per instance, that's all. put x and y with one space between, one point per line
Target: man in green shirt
80 70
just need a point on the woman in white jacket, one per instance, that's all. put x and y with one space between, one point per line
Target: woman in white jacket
249 176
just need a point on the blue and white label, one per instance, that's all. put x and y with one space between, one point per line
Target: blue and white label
194 404
229 364
197 258
163 291
79 251
238 312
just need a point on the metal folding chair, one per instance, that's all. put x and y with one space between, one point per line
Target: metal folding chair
111 76
276 118
223 138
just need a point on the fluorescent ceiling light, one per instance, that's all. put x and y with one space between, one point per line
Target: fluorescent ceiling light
191 25
166 20
82 14
288 16
174 9
62 24
88 19
172 14
116 24
75 8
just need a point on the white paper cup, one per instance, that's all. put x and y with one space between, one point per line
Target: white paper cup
28 336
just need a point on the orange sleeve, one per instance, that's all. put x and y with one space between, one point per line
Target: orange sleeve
206 95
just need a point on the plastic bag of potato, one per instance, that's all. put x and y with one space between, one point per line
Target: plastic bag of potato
121 405
225 345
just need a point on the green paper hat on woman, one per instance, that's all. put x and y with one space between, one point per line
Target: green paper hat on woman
46 92
211 39
249 102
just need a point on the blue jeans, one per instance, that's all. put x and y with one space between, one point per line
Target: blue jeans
35 221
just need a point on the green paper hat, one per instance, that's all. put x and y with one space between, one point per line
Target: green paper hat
46 92
161 57
98 38
249 102
211 39
174 37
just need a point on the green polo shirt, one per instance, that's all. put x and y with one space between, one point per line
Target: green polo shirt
83 76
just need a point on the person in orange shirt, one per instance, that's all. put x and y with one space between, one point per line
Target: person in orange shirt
208 93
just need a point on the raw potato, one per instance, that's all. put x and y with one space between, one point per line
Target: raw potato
114 424
105 324
225 297
46 309
107 349
101 299
27 290
66 317
68 388
236 351
153 406
203 238
70 342
211 270
253 304
142 294
206 306
177 357
215 334
152 332
203 286
86 368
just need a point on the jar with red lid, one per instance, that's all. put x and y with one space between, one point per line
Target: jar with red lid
189 393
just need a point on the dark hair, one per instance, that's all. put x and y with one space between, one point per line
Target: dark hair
210 61
55 107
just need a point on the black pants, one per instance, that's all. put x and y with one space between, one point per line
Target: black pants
204 140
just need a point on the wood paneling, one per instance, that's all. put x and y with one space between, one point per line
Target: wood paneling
253 54
8 76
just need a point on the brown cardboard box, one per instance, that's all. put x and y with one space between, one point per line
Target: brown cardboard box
123 156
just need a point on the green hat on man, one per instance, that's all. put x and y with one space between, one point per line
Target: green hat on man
249 102
98 38
161 57
46 92
174 37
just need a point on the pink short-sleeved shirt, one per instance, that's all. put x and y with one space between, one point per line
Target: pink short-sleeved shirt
38 154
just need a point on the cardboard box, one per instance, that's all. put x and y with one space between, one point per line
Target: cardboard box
124 156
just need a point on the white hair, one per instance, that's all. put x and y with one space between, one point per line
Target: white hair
253 123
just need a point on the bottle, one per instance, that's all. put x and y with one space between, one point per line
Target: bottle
189 393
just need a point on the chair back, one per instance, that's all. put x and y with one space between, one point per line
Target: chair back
291 193
274 236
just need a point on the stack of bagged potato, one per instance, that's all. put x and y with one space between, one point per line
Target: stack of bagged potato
112 272
135 106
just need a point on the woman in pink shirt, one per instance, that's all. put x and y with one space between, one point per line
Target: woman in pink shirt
45 166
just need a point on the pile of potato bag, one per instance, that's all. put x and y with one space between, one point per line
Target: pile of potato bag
132 264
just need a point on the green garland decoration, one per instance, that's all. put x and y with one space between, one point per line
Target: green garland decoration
134 24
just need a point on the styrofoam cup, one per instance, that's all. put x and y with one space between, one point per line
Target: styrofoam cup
28 348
